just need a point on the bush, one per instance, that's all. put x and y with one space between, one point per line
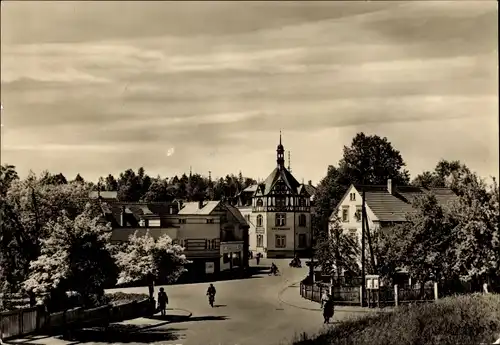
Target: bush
121 297
471 319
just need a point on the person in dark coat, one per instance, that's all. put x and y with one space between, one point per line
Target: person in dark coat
328 310
162 301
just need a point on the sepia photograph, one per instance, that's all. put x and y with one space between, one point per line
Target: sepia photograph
249 172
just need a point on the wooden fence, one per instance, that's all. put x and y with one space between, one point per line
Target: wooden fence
383 297
16 323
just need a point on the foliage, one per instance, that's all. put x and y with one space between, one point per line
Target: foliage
29 205
458 241
146 257
122 297
76 257
370 160
338 252
8 175
472 319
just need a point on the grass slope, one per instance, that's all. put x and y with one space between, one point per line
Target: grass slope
469 319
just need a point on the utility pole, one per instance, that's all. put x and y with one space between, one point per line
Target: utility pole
363 273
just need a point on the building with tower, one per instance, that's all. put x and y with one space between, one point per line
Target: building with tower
278 212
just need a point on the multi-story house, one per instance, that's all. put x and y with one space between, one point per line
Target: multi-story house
278 212
386 206
213 234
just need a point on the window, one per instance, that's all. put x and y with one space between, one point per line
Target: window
259 220
280 202
210 221
182 221
302 241
260 241
357 215
302 202
225 258
280 219
302 220
247 217
345 214
352 196
280 241
260 203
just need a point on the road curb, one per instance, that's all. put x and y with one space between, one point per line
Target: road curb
187 311
280 294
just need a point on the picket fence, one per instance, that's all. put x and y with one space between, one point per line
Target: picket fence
21 322
383 297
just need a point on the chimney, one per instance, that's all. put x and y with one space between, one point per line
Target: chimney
200 204
310 182
389 186
122 216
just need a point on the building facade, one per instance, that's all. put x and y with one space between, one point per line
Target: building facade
386 205
278 212
213 234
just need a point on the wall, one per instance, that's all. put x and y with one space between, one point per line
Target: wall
352 223
196 227
303 230
288 230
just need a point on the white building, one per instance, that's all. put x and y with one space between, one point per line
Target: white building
278 212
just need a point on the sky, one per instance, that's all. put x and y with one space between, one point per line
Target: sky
98 87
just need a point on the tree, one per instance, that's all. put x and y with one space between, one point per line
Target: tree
79 179
372 160
145 258
28 207
75 256
8 174
129 186
337 252
422 245
476 234
110 183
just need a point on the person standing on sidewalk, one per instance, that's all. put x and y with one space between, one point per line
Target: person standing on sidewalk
328 310
162 301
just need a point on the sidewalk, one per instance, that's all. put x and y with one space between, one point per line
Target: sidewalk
290 296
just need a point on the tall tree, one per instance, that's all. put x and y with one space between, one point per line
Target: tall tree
337 252
129 186
110 183
76 256
372 160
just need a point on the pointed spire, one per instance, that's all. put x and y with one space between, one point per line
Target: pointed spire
280 155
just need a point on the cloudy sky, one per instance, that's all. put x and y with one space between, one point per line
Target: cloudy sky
98 87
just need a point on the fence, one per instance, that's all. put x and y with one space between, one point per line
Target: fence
382 297
21 322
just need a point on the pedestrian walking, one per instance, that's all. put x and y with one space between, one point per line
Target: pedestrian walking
257 258
162 301
328 310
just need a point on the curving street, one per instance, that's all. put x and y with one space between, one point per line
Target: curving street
259 310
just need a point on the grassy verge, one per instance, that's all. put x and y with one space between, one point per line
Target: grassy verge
470 319
122 298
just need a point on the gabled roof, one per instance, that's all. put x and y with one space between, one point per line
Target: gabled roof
310 189
192 208
394 207
237 214
135 211
275 175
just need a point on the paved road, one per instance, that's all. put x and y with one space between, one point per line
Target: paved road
248 311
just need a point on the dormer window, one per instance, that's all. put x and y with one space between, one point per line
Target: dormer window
260 203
